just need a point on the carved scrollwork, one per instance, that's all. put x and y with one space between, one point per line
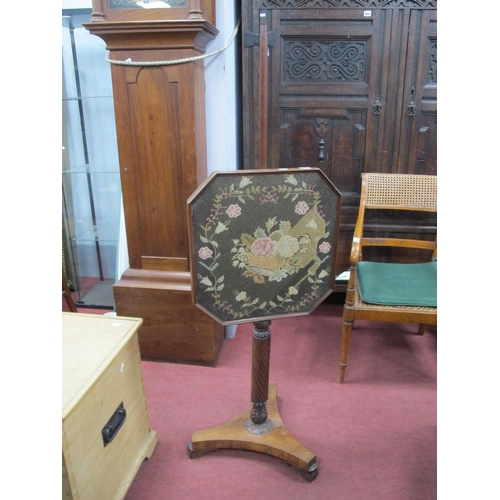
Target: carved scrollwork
365 4
325 60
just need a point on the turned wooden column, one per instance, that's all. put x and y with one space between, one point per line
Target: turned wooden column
161 136
261 353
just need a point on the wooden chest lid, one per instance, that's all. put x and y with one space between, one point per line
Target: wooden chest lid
89 343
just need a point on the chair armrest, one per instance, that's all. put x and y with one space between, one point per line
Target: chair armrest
355 250
357 237
356 254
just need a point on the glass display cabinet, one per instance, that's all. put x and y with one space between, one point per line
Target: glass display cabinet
91 192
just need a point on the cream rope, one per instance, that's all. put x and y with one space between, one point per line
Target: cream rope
129 62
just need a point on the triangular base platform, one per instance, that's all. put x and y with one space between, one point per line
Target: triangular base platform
277 442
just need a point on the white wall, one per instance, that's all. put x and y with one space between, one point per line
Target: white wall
221 100
76 4
221 97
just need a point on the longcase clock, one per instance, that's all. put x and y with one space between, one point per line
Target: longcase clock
160 122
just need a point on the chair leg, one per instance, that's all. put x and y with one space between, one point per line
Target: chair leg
346 338
421 329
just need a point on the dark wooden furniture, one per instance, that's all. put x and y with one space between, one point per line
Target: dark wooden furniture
390 192
352 88
160 123
262 248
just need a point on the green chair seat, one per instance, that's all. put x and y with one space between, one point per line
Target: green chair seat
398 284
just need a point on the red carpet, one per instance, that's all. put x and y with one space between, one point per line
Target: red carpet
374 436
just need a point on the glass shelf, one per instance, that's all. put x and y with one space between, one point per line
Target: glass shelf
93 233
91 190
76 98
102 169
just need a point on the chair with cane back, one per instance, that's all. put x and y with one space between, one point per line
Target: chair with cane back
391 291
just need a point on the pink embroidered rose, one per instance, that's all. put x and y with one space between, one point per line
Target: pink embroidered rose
205 253
301 208
233 211
325 247
262 247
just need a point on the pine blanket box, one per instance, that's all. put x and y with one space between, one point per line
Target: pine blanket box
105 423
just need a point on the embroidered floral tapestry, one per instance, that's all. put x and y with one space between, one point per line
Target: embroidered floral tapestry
263 243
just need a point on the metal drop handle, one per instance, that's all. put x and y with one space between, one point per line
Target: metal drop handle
377 107
411 107
321 155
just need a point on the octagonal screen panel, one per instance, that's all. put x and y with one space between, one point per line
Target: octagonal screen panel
263 243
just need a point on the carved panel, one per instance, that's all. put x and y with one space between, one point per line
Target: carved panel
333 141
433 64
425 161
320 4
417 150
325 60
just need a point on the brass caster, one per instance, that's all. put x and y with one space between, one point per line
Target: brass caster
311 474
195 454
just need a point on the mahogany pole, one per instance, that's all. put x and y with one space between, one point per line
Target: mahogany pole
261 351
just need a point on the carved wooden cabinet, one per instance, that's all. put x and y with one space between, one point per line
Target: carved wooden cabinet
352 88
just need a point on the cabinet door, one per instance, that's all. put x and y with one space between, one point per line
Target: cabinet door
327 76
418 141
